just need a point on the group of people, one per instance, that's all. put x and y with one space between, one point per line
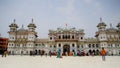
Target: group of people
58 53
102 53
41 52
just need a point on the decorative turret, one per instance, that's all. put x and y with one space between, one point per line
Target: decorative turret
101 25
13 26
32 26
118 26
101 34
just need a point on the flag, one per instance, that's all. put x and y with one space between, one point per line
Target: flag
66 25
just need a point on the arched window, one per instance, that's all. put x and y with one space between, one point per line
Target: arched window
59 45
81 38
68 36
73 45
72 36
97 46
78 46
63 36
93 45
59 37
50 46
54 46
35 44
50 38
89 45
73 50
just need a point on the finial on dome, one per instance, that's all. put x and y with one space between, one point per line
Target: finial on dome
14 20
66 24
32 20
100 19
22 26
110 25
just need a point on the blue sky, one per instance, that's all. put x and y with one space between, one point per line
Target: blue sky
51 14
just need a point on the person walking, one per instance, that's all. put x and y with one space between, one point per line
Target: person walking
41 53
50 53
2 53
103 53
58 53
5 53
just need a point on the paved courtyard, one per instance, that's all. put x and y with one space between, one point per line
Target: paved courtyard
53 62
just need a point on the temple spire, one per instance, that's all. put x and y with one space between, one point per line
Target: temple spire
22 26
32 20
110 25
100 19
14 20
66 24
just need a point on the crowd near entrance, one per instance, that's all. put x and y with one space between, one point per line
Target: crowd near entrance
65 51
93 52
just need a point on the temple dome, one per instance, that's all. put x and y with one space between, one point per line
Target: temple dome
111 29
101 24
32 24
22 31
13 24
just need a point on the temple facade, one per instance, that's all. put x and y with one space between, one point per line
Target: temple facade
24 41
21 41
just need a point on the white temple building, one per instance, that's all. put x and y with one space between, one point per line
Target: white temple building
23 41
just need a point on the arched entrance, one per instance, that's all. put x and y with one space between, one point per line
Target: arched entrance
66 48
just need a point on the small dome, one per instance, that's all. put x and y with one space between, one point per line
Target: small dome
111 29
22 31
32 24
13 24
101 24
